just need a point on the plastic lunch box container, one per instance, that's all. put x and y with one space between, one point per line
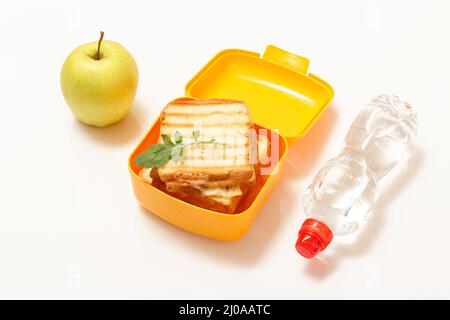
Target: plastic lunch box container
283 98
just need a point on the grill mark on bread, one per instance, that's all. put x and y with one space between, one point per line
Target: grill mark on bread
217 112
208 133
235 174
206 102
219 154
206 125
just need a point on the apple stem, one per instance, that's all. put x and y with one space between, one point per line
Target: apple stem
99 44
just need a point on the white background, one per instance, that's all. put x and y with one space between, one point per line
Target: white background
70 226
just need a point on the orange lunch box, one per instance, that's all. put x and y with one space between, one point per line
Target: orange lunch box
283 98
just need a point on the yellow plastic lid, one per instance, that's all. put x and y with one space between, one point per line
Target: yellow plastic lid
277 87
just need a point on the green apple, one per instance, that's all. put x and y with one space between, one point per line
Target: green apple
99 82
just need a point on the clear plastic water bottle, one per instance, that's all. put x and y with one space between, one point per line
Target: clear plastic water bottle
345 190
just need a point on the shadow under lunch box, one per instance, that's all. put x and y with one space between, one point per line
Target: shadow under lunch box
283 98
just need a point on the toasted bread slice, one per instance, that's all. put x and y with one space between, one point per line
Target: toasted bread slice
146 174
210 184
195 197
223 200
226 121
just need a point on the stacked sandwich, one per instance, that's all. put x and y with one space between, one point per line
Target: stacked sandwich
217 166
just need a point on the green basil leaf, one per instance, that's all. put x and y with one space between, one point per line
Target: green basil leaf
175 154
151 151
160 159
167 140
159 154
154 156
178 137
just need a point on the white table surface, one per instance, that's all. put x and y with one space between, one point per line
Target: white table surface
70 226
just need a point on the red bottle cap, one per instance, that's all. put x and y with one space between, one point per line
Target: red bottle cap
314 236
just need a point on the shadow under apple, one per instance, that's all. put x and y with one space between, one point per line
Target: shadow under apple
126 130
